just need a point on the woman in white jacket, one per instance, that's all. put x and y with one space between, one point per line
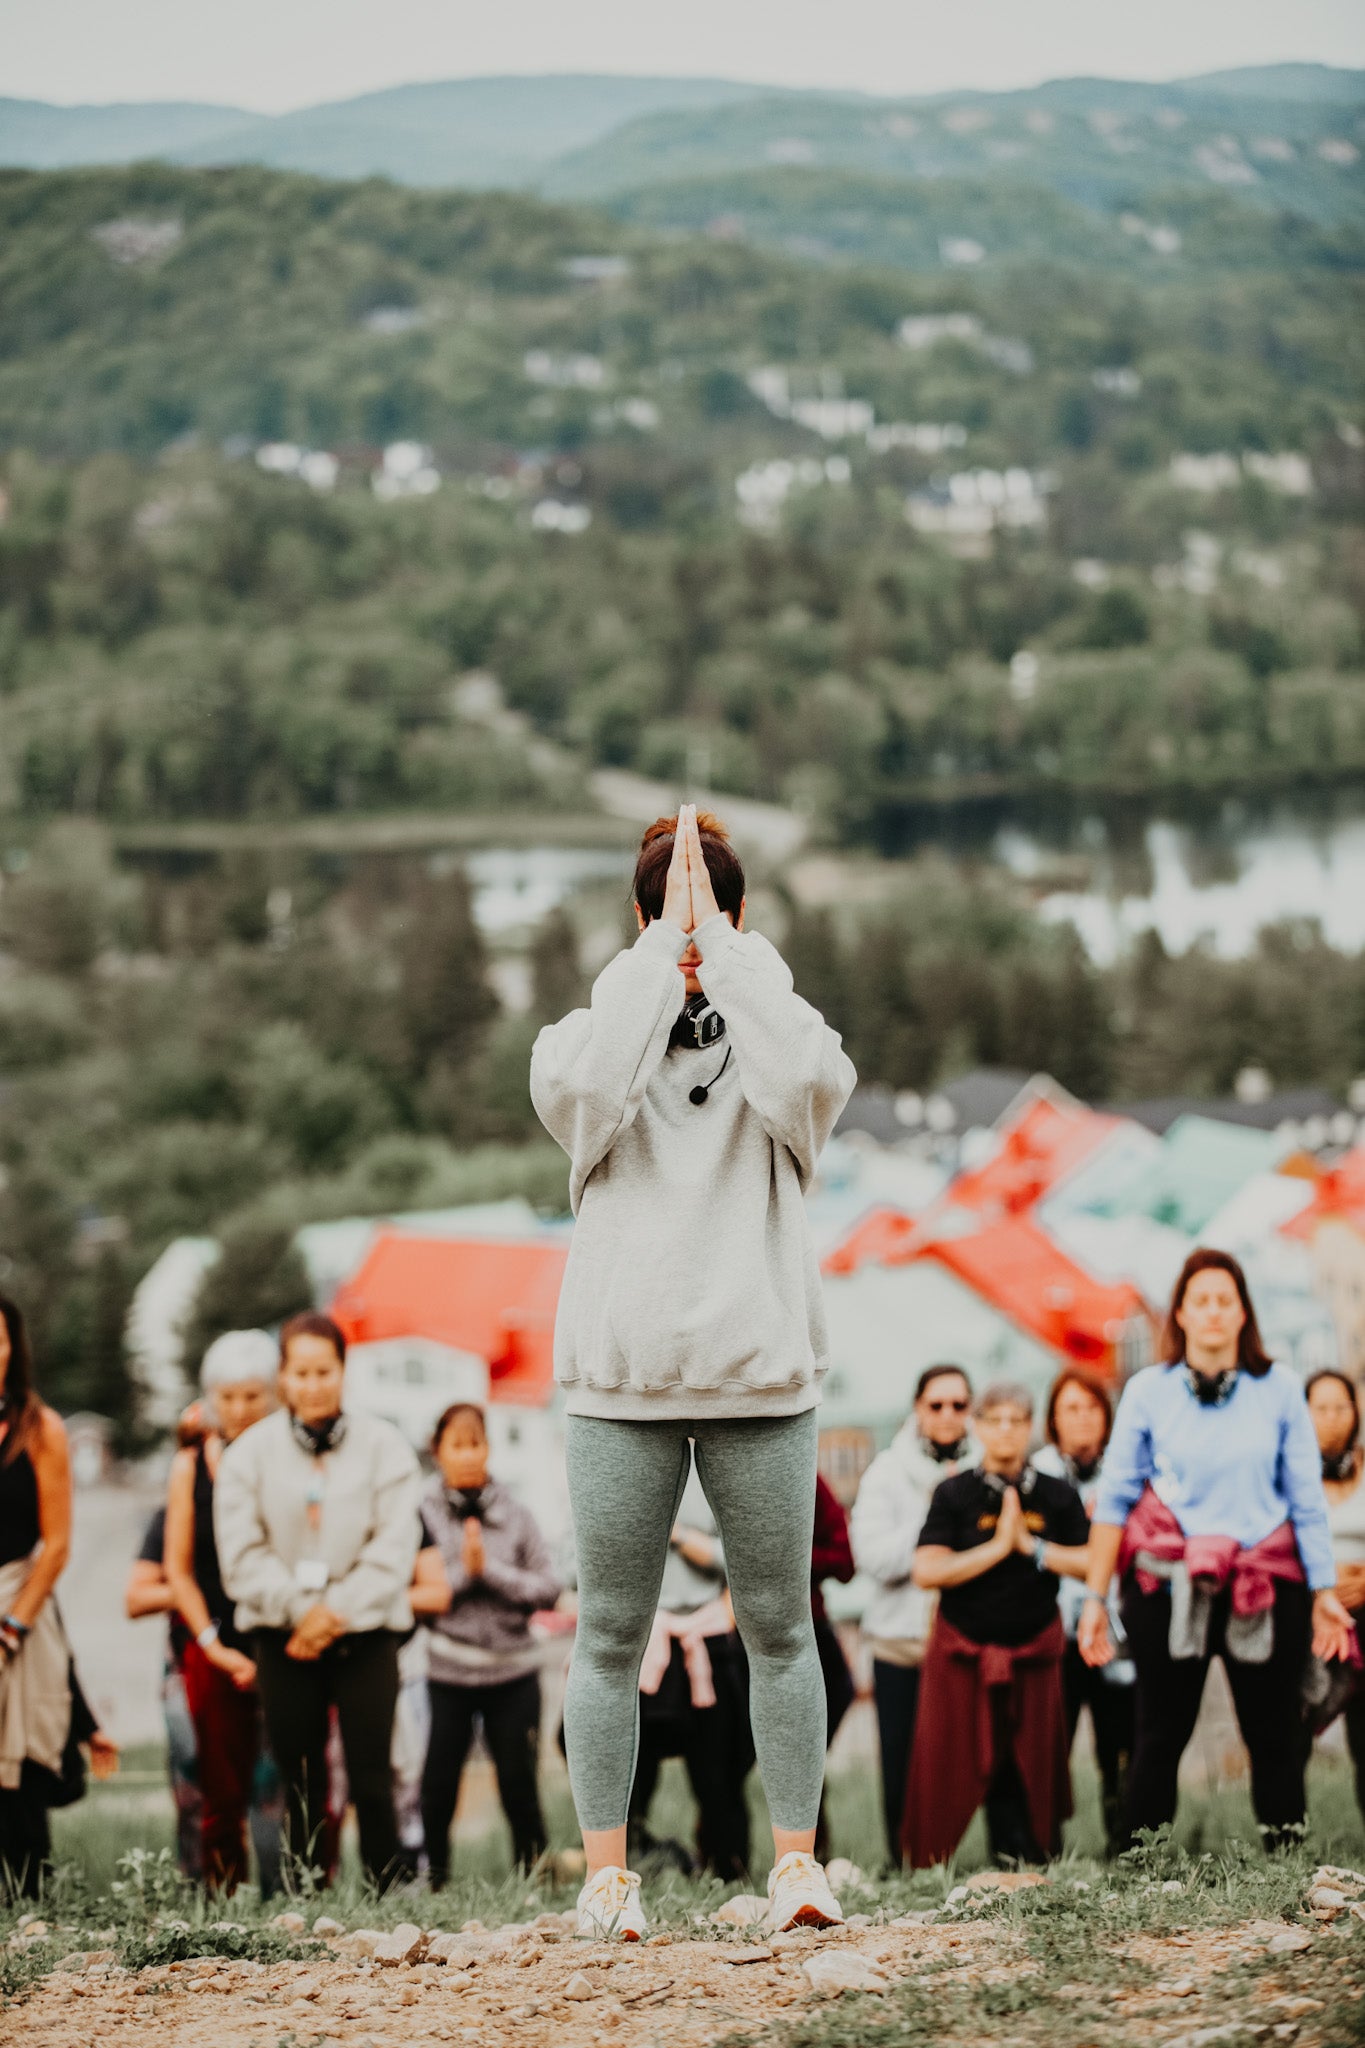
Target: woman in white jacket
933 1444
315 1517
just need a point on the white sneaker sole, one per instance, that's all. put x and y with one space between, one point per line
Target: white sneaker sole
809 1915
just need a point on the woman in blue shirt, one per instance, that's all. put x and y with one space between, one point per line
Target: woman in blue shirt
1211 1503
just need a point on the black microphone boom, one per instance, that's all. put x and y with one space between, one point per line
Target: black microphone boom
699 1094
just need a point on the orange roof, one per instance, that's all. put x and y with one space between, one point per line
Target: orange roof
1018 1268
490 1297
879 1236
1040 1148
1340 1197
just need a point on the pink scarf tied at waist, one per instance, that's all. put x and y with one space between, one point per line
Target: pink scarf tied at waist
1197 1568
691 1630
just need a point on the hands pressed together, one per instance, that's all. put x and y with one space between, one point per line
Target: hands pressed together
1012 1531
689 898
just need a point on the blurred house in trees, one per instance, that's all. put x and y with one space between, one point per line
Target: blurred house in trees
161 1304
431 1320
1332 1226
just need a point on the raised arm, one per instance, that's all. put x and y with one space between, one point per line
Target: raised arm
792 1067
590 1071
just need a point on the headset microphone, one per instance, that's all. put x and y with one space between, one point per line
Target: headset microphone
699 1094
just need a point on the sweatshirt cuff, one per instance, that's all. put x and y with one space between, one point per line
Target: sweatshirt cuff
667 941
716 937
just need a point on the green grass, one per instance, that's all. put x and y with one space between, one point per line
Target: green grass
1065 1966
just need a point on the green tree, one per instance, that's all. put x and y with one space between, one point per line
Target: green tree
257 1280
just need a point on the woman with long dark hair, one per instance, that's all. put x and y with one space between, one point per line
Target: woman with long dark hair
1078 1426
315 1519
1334 1405
693 1097
35 1662
1211 1508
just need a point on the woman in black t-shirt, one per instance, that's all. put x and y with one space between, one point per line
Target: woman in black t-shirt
992 1546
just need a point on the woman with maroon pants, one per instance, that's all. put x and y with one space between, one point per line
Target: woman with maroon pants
238 1378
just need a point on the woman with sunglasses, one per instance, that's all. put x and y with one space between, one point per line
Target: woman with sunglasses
931 1445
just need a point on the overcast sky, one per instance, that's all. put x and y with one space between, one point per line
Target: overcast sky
275 54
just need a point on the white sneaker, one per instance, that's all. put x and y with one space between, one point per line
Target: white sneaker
609 1907
799 1895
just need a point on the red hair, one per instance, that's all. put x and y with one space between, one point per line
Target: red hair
723 865
1252 1355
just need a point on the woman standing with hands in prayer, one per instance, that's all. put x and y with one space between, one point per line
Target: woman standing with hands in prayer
483 1570
1212 1510
693 1096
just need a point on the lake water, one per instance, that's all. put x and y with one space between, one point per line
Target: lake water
1219 871
1220 879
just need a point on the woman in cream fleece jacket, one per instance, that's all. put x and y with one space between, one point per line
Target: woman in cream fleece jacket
693 1097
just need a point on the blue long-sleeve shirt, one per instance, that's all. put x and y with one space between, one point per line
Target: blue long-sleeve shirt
1238 1470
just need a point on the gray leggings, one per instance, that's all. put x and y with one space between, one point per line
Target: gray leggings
625 1482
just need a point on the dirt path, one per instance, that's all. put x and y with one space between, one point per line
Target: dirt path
535 1987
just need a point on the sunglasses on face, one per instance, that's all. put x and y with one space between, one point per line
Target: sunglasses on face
953 1407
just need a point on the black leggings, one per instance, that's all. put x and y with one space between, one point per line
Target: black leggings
510 1714
359 1677
1111 1718
1266 1697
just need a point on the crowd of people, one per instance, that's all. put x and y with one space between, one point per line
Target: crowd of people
1016 1576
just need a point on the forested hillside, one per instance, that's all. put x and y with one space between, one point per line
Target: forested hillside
348 503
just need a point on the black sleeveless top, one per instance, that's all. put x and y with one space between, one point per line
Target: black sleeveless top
19 1530
208 1577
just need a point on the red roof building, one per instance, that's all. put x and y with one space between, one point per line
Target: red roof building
1042 1145
1017 1267
489 1297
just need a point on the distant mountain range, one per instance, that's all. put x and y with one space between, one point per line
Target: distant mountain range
744 160
465 131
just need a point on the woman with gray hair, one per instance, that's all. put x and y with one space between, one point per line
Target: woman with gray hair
238 1382
992 1722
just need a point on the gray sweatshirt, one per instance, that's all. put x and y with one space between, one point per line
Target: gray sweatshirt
485 1638
691 1287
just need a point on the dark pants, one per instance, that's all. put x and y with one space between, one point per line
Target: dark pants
716 1746
25 1833
895 1689
359 1677
838 1699
1009 1829
1266 1697
1111 1718
1354 1717
510 1715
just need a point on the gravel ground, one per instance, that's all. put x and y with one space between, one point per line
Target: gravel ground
534 1985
